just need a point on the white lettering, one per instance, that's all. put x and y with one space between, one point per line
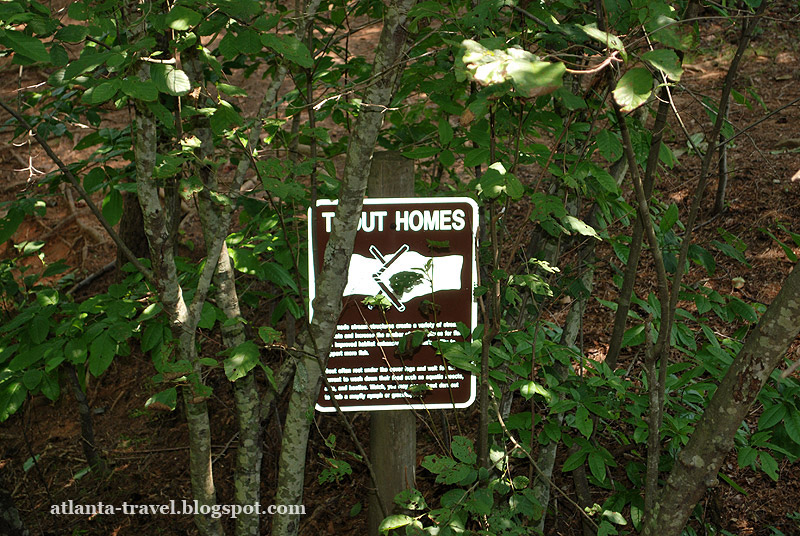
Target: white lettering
328 218
458 219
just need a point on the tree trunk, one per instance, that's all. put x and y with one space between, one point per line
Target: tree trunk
331 282
698 463
131 229
87 428
183 319
392 434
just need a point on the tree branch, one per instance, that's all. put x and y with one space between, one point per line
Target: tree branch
148 275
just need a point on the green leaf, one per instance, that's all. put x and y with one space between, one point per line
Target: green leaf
73 33
279 275
743 310
535 78
614 517
410 499
571 102
583 421
208 316
395 522
100 93
25 359
290 48
609 147
633 336
496 181
242 359
11 222
140 90
528 75
633 89
574 461
182 18
573 224
481 501
730 251
447 158
30 462
772 416
421 152
669 218
747 456
665 60
661 28
445 132
49 386
75 351
112 207
31 378
792 424
611 41
464 450
82 473
165 400
476 157
25 45
769 465
101 353
530 388
152 336
269 335
701 256
85 63
170 80
225 117
233 91
38 329
11 398
597 466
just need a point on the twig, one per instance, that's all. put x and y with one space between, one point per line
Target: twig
90 278
97 237
77 185
527 454
354 437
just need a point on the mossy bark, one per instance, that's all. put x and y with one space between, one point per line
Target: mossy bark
698 463
336 261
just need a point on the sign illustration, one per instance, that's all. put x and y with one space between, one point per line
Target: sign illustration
412 273
402 280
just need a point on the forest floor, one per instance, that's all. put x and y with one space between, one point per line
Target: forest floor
146 449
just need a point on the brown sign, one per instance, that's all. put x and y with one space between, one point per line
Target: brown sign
410 283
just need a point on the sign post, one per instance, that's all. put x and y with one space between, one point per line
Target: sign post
411 279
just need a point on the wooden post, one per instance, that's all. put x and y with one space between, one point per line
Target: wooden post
393 434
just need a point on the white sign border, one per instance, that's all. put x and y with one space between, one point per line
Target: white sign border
312 288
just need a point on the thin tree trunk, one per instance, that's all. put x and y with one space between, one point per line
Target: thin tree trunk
722 186
698 463
247 480
131 229
637 237
183 319
331 282
87 429
215 220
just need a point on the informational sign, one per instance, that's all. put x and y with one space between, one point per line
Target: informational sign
411 281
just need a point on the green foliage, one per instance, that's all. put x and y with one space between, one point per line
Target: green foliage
497 501
495 104
45 329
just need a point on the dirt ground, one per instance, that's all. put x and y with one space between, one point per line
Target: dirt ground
146 449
